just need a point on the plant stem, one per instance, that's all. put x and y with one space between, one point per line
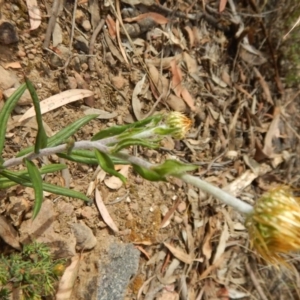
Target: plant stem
221 195
203 185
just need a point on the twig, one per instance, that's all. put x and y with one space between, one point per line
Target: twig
71 39
255 282
92 43
51 23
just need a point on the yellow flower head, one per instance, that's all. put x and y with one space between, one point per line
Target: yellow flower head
180 122
274 226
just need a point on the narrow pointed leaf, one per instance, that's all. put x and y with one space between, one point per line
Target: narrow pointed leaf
165 131
6 183
79 159
115 130
62 135
107 165
54 189
173 167
6 111
41 137
134 142
37 183
148 174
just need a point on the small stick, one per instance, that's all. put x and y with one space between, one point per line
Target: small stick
51 24
92 43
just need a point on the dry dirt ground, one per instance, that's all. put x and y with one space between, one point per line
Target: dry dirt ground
222 70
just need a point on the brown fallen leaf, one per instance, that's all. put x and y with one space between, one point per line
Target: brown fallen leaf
180 90
158 18
179 254
115 183
34 14
273 133
68 279
13 65
104 212
222 243
136 103
8 234
111 25
222 5
57 100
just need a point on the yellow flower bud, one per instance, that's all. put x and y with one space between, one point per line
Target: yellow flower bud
274 225
180 122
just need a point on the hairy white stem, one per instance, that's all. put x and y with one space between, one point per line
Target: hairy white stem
221 195
203 185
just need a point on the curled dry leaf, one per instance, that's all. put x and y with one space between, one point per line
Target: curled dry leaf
179 254
58 100
222 243
111 25
161 82
9 234
180 90
115 183
104 212
34 14
68 279
158 18
136 103
13 65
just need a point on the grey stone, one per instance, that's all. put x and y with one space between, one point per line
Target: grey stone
115 274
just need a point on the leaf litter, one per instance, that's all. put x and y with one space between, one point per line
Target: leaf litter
241 138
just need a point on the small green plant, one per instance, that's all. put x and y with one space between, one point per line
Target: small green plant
32 272
106 148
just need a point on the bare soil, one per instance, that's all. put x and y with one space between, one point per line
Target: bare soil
236 91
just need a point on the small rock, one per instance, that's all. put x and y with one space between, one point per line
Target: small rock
24 100
8 34
118 82
79 15
41 229
176 103
30 56
85 239
21 53
88 212
178 220
86 25
181 207
17 209
7 79
72 83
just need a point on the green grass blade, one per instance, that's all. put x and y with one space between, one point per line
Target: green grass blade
58 190
41 137
6 183
6 111
62 135
37 183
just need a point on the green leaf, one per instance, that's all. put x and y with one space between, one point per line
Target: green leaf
115 130
165 131
6 111
89 157
25 181
62 135
107 165
148 174
6 183
78 159
134 142
173 167
37 182
41 137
